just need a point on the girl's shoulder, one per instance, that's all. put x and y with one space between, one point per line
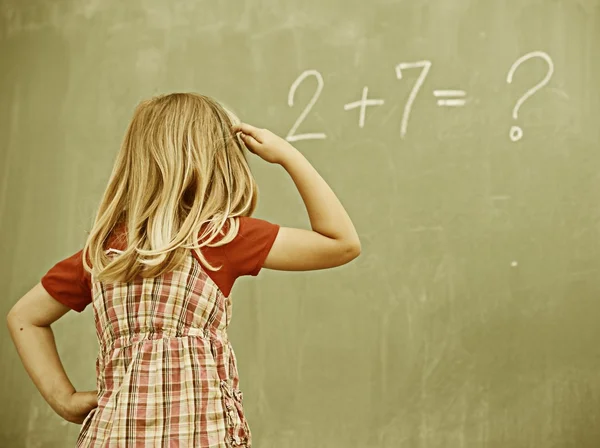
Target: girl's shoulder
244 255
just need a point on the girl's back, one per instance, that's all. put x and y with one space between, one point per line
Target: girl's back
165 369
172 235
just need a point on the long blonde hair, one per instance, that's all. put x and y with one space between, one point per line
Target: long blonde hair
180 170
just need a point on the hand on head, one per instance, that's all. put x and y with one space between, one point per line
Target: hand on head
264 143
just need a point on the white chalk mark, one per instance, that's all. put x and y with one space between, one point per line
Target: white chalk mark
514 264
291 136
538 86
451 103
450 98
363 103
447 93
425 66
516 133
559 92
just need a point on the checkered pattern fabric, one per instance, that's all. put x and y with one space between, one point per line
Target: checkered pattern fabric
166 372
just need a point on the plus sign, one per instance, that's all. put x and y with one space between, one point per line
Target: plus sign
363 103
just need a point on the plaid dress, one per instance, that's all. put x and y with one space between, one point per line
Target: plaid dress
166 372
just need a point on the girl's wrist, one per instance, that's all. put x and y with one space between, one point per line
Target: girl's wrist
289 156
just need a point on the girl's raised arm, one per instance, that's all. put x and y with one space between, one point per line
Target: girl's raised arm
333 240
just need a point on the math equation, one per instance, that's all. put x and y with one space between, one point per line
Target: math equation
446 97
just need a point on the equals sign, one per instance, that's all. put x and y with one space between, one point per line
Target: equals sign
450 98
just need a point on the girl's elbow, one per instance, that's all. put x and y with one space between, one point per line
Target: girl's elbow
351 251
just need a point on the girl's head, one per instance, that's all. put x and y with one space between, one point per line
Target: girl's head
180 170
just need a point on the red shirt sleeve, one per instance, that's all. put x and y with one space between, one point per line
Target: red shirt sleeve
244 255
69 283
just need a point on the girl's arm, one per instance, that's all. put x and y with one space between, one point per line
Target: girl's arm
29 325
333 240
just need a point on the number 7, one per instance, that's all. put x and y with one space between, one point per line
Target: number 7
425 66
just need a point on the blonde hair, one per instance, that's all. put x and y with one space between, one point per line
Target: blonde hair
180 170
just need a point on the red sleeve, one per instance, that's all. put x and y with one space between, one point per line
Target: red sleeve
69 283
244 255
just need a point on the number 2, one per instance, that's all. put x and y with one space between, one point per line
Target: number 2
292 136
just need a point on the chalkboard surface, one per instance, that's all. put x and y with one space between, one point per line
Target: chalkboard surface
463 138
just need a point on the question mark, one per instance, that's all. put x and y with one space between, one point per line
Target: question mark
516 132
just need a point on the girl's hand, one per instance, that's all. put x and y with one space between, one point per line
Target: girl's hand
264 143
78 405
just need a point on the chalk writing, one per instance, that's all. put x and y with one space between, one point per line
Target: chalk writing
444 97
450 98
516 132
292 136
363 103
425 66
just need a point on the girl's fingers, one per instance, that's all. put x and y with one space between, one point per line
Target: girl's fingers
249 141
248 129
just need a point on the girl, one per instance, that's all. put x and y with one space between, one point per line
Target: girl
172 234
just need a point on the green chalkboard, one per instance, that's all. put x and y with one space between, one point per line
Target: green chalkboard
463 138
